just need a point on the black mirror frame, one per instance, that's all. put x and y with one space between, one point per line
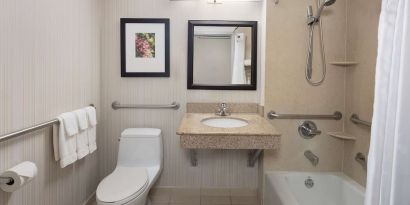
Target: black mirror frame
191 25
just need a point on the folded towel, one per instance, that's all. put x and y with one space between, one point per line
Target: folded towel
82 120
65 145
92 139
92 132
82 137
70 123
92 116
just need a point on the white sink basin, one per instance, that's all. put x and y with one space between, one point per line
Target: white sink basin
224 122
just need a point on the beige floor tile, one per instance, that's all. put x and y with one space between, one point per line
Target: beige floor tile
160 199
159 203
160 195
186 192
178 199
222 200
244 200
160 191
215 192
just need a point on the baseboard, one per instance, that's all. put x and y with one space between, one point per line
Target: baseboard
90 200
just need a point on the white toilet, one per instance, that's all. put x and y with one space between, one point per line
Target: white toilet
140 158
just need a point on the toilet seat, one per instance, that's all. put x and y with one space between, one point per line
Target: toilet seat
122 185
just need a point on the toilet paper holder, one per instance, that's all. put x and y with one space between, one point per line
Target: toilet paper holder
6 180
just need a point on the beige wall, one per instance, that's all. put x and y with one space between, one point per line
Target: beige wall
49 64
350 33
288 92
362 18
216 168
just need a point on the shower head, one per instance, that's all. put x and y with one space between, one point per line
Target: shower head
329 2
325 3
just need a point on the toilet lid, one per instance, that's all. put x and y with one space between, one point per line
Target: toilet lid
123 183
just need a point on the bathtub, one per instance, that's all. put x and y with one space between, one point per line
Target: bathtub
311 188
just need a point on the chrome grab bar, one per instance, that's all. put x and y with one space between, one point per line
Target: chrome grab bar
116 105
356 120
29 129
273 115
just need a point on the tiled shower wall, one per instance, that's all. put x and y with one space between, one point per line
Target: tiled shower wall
49 64
362 28
350 33
216 168
287 91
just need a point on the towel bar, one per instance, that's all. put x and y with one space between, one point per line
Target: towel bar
116 105
29 129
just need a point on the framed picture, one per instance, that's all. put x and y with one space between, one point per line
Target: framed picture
144 47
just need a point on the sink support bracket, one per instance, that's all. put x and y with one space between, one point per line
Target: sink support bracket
194 159
253 156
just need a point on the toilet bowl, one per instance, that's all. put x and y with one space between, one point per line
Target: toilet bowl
140 158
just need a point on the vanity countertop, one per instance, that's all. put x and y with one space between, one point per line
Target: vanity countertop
258 134
257 126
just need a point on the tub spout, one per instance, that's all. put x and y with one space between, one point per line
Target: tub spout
312 157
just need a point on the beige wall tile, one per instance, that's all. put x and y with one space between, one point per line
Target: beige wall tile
363 18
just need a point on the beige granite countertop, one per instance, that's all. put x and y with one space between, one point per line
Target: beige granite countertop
258 126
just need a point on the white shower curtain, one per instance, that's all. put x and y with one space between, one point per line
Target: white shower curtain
388 177
238 65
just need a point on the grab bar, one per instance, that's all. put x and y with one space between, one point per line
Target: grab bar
273 115
116 105
356 120
29 129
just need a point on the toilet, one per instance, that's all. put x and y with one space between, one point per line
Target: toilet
140 158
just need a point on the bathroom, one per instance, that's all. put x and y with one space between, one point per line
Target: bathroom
315 115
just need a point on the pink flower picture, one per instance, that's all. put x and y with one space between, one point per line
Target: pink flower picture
145 45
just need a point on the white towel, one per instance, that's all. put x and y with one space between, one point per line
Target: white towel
82 120
92 116
65 145
82 137
92 132
70 123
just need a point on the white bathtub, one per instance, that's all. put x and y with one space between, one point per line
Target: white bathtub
329 188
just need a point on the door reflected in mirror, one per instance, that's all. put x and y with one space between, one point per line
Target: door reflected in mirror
222 55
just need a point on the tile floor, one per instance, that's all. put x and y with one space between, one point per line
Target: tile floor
202 196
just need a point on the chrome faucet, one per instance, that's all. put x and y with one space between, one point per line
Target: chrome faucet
222 110
308 130
312 157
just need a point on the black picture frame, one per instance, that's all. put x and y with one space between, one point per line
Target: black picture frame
190 81
124 22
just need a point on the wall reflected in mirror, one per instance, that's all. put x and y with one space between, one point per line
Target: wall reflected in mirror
222 55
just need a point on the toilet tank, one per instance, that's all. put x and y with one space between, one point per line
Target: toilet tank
140 147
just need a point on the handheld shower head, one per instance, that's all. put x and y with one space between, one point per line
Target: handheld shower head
325 3
329 2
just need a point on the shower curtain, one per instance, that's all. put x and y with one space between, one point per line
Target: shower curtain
238 65
388 177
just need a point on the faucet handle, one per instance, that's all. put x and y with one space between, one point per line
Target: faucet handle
308 130
222 110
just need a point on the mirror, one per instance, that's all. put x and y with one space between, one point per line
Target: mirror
222 55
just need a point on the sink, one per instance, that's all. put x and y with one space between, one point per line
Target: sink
224 122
